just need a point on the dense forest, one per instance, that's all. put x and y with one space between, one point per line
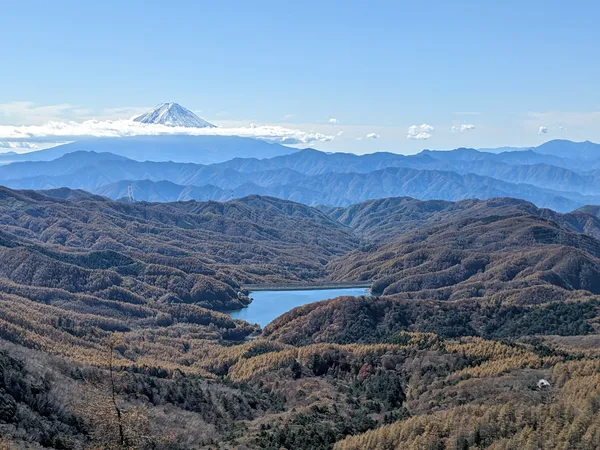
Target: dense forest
114 332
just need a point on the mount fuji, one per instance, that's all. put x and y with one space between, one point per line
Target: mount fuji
203 149
179 147
173 115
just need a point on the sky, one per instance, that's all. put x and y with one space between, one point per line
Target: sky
350 76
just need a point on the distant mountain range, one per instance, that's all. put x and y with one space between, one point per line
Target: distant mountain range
588 151
180 148
558 147
161 191
558 178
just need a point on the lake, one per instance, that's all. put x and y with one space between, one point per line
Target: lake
268 305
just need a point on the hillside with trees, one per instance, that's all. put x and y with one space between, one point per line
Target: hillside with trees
113 331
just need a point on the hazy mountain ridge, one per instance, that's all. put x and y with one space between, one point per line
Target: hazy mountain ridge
314 177
180 148
588 151
343 189
161 191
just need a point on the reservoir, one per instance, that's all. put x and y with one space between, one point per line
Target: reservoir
268 305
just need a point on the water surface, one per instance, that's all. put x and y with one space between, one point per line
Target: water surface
268 305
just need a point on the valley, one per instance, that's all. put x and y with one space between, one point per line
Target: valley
366 226
474 302
222 292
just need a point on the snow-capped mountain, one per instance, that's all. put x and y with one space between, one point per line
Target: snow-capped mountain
173 115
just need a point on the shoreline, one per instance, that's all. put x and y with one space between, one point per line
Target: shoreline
307 286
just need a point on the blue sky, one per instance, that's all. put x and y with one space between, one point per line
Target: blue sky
378 68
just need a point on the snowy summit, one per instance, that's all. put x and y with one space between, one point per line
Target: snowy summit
173 115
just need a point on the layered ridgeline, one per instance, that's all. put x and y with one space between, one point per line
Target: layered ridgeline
181 148
486 298
311 177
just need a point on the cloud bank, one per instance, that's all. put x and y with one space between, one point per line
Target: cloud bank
18 145
420 132
463 127
56 131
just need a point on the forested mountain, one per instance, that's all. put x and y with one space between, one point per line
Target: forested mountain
594 210
237 242
482 300
479 256
389 217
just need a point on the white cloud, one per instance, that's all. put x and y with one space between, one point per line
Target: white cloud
288 117
333 121
55 131
372 136
571 119
18 113
463 127
467 113
339 133
123 112
542 130
18 145
419 132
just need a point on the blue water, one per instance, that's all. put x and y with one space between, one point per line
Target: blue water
268 305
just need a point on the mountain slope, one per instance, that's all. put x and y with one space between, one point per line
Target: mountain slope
479 255
180 148
314 177
244 238
161 191
498 269
64 165
328 188
346 188
390 217
173 115
568 149
594 210
105 303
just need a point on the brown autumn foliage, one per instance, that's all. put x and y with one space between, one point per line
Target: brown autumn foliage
488 298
